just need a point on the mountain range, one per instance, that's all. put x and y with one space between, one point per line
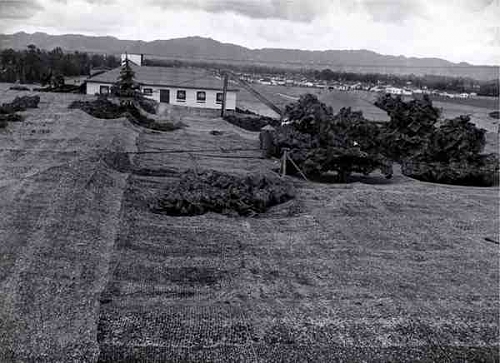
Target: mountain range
206 49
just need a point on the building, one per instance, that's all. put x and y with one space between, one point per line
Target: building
176 86
394 90
137 59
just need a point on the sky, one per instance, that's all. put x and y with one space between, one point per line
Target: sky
456 30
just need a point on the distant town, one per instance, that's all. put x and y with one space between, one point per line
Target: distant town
380 86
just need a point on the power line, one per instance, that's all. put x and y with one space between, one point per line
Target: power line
173 151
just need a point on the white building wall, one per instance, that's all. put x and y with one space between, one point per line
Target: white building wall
191 101
93 88
210 102
136 58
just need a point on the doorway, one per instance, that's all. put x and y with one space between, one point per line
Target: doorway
165 95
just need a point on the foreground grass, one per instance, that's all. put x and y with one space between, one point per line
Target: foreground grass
391 271
370 271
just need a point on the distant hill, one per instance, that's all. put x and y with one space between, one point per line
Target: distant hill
198 48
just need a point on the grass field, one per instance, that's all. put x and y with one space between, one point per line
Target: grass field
375 270
281 96
491 103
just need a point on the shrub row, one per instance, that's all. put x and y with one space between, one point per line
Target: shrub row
105 109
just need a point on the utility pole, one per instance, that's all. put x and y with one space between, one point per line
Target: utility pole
224 95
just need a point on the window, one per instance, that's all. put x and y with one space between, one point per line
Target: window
104 90
147 91
181 96
219 97
201 96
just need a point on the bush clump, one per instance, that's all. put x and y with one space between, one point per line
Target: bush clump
100 108
8 110
495 114
410 125
105 109
148 105
20 104
19 88
481 170
452 155
212 191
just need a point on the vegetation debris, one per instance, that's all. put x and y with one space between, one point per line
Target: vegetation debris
213 191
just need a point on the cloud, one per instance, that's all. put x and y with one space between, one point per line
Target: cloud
294 10
19 9
393 11
457 30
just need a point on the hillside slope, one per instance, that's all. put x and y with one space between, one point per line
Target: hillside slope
198 48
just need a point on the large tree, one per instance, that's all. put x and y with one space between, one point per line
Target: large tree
126 88
320 141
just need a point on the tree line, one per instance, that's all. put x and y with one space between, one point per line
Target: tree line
33 65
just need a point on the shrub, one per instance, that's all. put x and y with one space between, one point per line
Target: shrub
105 109
411 123
449 154
213 191
481 170
100 108
148 105
20 104
136 117
308 113
453 156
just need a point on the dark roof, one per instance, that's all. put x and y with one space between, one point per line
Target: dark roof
166 76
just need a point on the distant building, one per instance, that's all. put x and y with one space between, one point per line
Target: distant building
394 90
177 86
137 59
266 81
